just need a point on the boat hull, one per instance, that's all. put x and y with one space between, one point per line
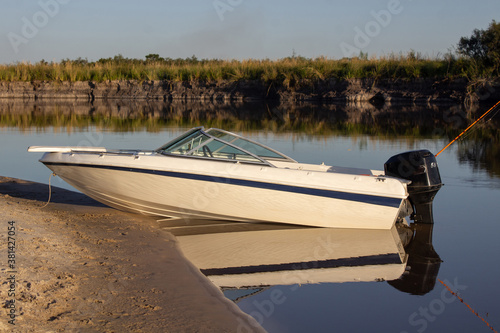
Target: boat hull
165 186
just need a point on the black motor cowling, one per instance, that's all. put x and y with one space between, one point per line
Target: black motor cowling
420 167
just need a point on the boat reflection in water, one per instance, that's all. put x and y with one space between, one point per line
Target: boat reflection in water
254 257
423 262
257 256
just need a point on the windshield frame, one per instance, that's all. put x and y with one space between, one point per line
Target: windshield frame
260 160
282 157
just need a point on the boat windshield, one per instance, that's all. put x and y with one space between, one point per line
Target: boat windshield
218 144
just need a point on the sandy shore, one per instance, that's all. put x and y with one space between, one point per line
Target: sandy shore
82 267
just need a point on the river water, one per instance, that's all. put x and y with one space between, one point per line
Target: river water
452 287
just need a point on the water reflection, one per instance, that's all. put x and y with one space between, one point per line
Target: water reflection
396 123
278 256
423 262
309 117
243 259
260 266
481 154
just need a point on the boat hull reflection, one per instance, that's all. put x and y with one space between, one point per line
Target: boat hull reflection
264 255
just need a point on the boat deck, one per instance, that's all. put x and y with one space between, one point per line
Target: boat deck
327 168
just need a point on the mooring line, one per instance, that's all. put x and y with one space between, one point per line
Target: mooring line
470 308
470 126
50 191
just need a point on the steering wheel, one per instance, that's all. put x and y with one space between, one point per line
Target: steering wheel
206 151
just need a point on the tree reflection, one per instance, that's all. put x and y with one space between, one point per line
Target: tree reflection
481 148
481 154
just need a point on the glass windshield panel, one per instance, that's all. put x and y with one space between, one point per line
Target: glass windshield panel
222 135
245 144
218 144
220 150
188 143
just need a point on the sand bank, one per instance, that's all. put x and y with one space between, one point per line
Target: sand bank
82 267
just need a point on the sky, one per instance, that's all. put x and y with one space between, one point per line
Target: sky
52 30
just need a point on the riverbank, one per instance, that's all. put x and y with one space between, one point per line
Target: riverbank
80 266
375 91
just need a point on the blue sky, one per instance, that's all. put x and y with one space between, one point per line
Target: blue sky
31 30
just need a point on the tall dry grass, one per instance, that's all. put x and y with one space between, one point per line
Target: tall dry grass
287 71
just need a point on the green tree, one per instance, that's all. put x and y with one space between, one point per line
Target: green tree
483 45
153 57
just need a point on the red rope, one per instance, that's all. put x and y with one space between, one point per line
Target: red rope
470 308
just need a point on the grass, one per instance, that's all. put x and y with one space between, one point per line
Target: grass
291 72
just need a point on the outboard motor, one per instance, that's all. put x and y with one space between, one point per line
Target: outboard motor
420 167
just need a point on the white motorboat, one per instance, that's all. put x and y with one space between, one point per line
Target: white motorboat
215 174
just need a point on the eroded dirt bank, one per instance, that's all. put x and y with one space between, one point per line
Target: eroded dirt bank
329 90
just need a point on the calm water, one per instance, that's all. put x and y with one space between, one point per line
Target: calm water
464 235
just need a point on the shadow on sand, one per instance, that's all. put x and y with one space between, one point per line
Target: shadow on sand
40 192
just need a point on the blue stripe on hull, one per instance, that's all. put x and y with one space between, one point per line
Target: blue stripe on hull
381 259
365 198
